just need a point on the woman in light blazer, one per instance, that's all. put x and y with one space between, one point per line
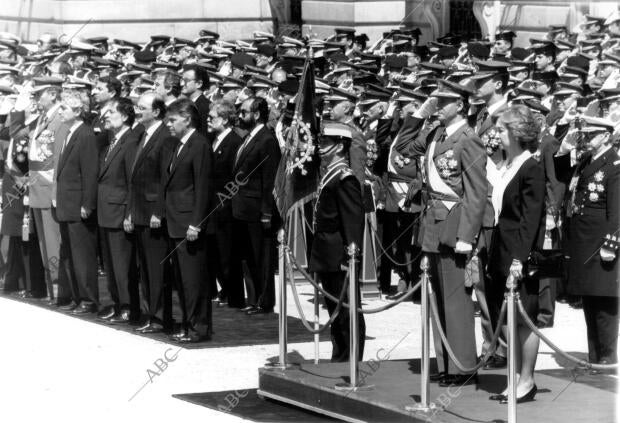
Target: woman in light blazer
519 203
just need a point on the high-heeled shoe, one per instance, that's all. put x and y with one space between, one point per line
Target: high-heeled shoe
527 397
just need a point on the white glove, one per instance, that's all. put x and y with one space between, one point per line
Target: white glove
607 255
463 247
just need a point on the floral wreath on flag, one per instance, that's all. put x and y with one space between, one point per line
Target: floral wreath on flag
303 147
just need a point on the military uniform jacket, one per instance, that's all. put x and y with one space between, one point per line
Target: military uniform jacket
593 212
402 168
338 219
460 163
43 158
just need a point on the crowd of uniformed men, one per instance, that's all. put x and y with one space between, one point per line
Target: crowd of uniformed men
155 164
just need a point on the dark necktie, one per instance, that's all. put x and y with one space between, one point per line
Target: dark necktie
175 156
139 149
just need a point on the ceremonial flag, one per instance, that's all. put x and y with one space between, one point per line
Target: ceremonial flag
298 173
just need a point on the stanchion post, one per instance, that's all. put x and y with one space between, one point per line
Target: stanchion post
424 405
282 326
317 326
354 382
511 285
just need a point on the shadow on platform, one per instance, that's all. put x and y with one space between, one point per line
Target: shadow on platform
231 327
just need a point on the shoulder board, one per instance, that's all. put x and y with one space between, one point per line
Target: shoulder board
345 173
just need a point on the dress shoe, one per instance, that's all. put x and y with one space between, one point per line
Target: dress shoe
28 295
143 326
259 310
460 380
85 308
107 313
496 362
152 328
19 294
192 339
69 306
436 377
180 334
122 317
527 397
248 308
595 372
498 397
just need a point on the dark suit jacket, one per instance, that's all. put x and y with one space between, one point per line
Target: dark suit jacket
76 176
114 179
523 211
203 105
146 191
223 162
187 186
256 168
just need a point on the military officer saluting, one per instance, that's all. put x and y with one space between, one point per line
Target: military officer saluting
338 222
590 165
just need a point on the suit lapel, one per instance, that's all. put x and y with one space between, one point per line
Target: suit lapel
110 156
70 143
148 147
249 147
182 154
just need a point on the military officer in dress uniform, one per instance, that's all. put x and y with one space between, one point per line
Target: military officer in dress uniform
593 217
455 161
338 222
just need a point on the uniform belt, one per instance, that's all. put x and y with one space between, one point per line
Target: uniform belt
434 195
395 177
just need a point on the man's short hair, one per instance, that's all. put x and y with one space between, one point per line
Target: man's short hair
113 85
125 107
226 110
200 73
186 109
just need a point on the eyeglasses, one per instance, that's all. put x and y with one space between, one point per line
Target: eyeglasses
188 80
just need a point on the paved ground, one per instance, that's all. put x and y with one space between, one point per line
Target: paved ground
60 368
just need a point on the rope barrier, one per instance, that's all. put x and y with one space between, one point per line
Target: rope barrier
387 254
310 279
444 339
302 316
555 348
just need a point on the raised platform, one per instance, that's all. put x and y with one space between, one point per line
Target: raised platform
563 396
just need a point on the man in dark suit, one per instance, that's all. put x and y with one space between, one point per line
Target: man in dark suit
226 142
195 81
457 193
76 200
187 195
113 186
338 222
253 207
145 211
